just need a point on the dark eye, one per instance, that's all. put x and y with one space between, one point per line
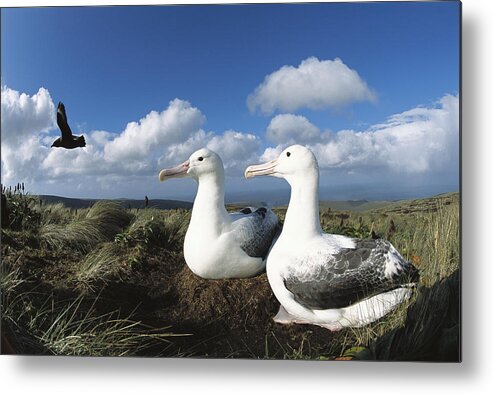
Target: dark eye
288 154
201 158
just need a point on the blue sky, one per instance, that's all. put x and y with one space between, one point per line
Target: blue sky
114 65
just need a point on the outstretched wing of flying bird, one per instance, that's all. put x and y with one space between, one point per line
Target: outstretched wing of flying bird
61 119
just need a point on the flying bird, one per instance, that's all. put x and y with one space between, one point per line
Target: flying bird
67 140
328 280
219 244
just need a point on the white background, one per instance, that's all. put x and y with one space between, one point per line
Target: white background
85 375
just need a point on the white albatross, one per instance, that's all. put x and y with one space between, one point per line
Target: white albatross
219 244
328 280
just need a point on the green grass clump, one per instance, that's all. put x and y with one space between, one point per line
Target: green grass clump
151 227
55 214
76 332
38 322
100 224
100 264
22 214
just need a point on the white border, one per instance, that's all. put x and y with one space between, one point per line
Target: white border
86 375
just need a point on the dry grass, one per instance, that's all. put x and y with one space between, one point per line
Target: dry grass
100 224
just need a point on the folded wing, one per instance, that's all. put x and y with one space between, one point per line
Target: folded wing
255 230
350 275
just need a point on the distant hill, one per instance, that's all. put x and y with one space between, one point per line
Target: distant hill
78 203
354 205
424 204
407 205
428 204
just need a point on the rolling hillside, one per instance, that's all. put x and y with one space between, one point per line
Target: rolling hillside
78 203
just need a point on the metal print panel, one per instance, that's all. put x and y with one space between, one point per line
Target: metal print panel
262 181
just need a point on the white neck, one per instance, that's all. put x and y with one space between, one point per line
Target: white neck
302 217
208 208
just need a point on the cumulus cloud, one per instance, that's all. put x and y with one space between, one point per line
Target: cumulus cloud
422 140
23 115
288 128
24 118
173 125
137 153
315 84
236 149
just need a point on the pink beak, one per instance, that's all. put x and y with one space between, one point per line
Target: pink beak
268 168
176 172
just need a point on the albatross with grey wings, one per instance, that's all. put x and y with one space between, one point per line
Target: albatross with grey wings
326 279
219 244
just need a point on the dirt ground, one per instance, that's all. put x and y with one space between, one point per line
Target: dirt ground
219 318
226 318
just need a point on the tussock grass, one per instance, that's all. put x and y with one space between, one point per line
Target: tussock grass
81 333
38 323
21 214
74 329
55 214
101 223
101 263
152 227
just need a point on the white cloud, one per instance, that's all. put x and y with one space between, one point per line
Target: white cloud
179 152
24 115
173 125
315 84
24 118
236 149
288 129
132 157
423 140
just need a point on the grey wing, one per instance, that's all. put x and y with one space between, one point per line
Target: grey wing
255 230
350 276
61 119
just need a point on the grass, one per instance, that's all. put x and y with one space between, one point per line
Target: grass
96 281
74 333
100 224
70 328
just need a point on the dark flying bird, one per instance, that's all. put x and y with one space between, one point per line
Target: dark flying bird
67 140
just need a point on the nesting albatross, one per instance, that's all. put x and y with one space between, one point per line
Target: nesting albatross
219 244
67 140
325 279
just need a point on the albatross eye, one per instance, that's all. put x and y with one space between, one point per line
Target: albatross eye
200 158
288 154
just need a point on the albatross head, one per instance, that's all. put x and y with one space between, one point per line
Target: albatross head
294 162
202 162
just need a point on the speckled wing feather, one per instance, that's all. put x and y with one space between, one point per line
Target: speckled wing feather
255 230
351 275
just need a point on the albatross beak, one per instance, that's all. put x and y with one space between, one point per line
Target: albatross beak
176 172
261 169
